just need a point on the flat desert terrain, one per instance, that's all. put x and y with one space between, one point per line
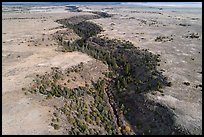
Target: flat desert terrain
28 49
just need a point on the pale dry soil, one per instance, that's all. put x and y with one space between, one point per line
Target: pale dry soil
181 60
25 54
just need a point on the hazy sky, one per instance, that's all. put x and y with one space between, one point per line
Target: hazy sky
164 4
167 4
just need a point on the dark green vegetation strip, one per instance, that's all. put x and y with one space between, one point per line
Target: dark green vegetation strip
81 27
132 69
84 116
102 14
132 72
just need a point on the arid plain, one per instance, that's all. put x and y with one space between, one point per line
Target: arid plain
29 50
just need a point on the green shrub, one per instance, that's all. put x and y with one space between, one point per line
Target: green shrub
87 119
54 120
169 84
56 126
57 119
49 96
55 114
